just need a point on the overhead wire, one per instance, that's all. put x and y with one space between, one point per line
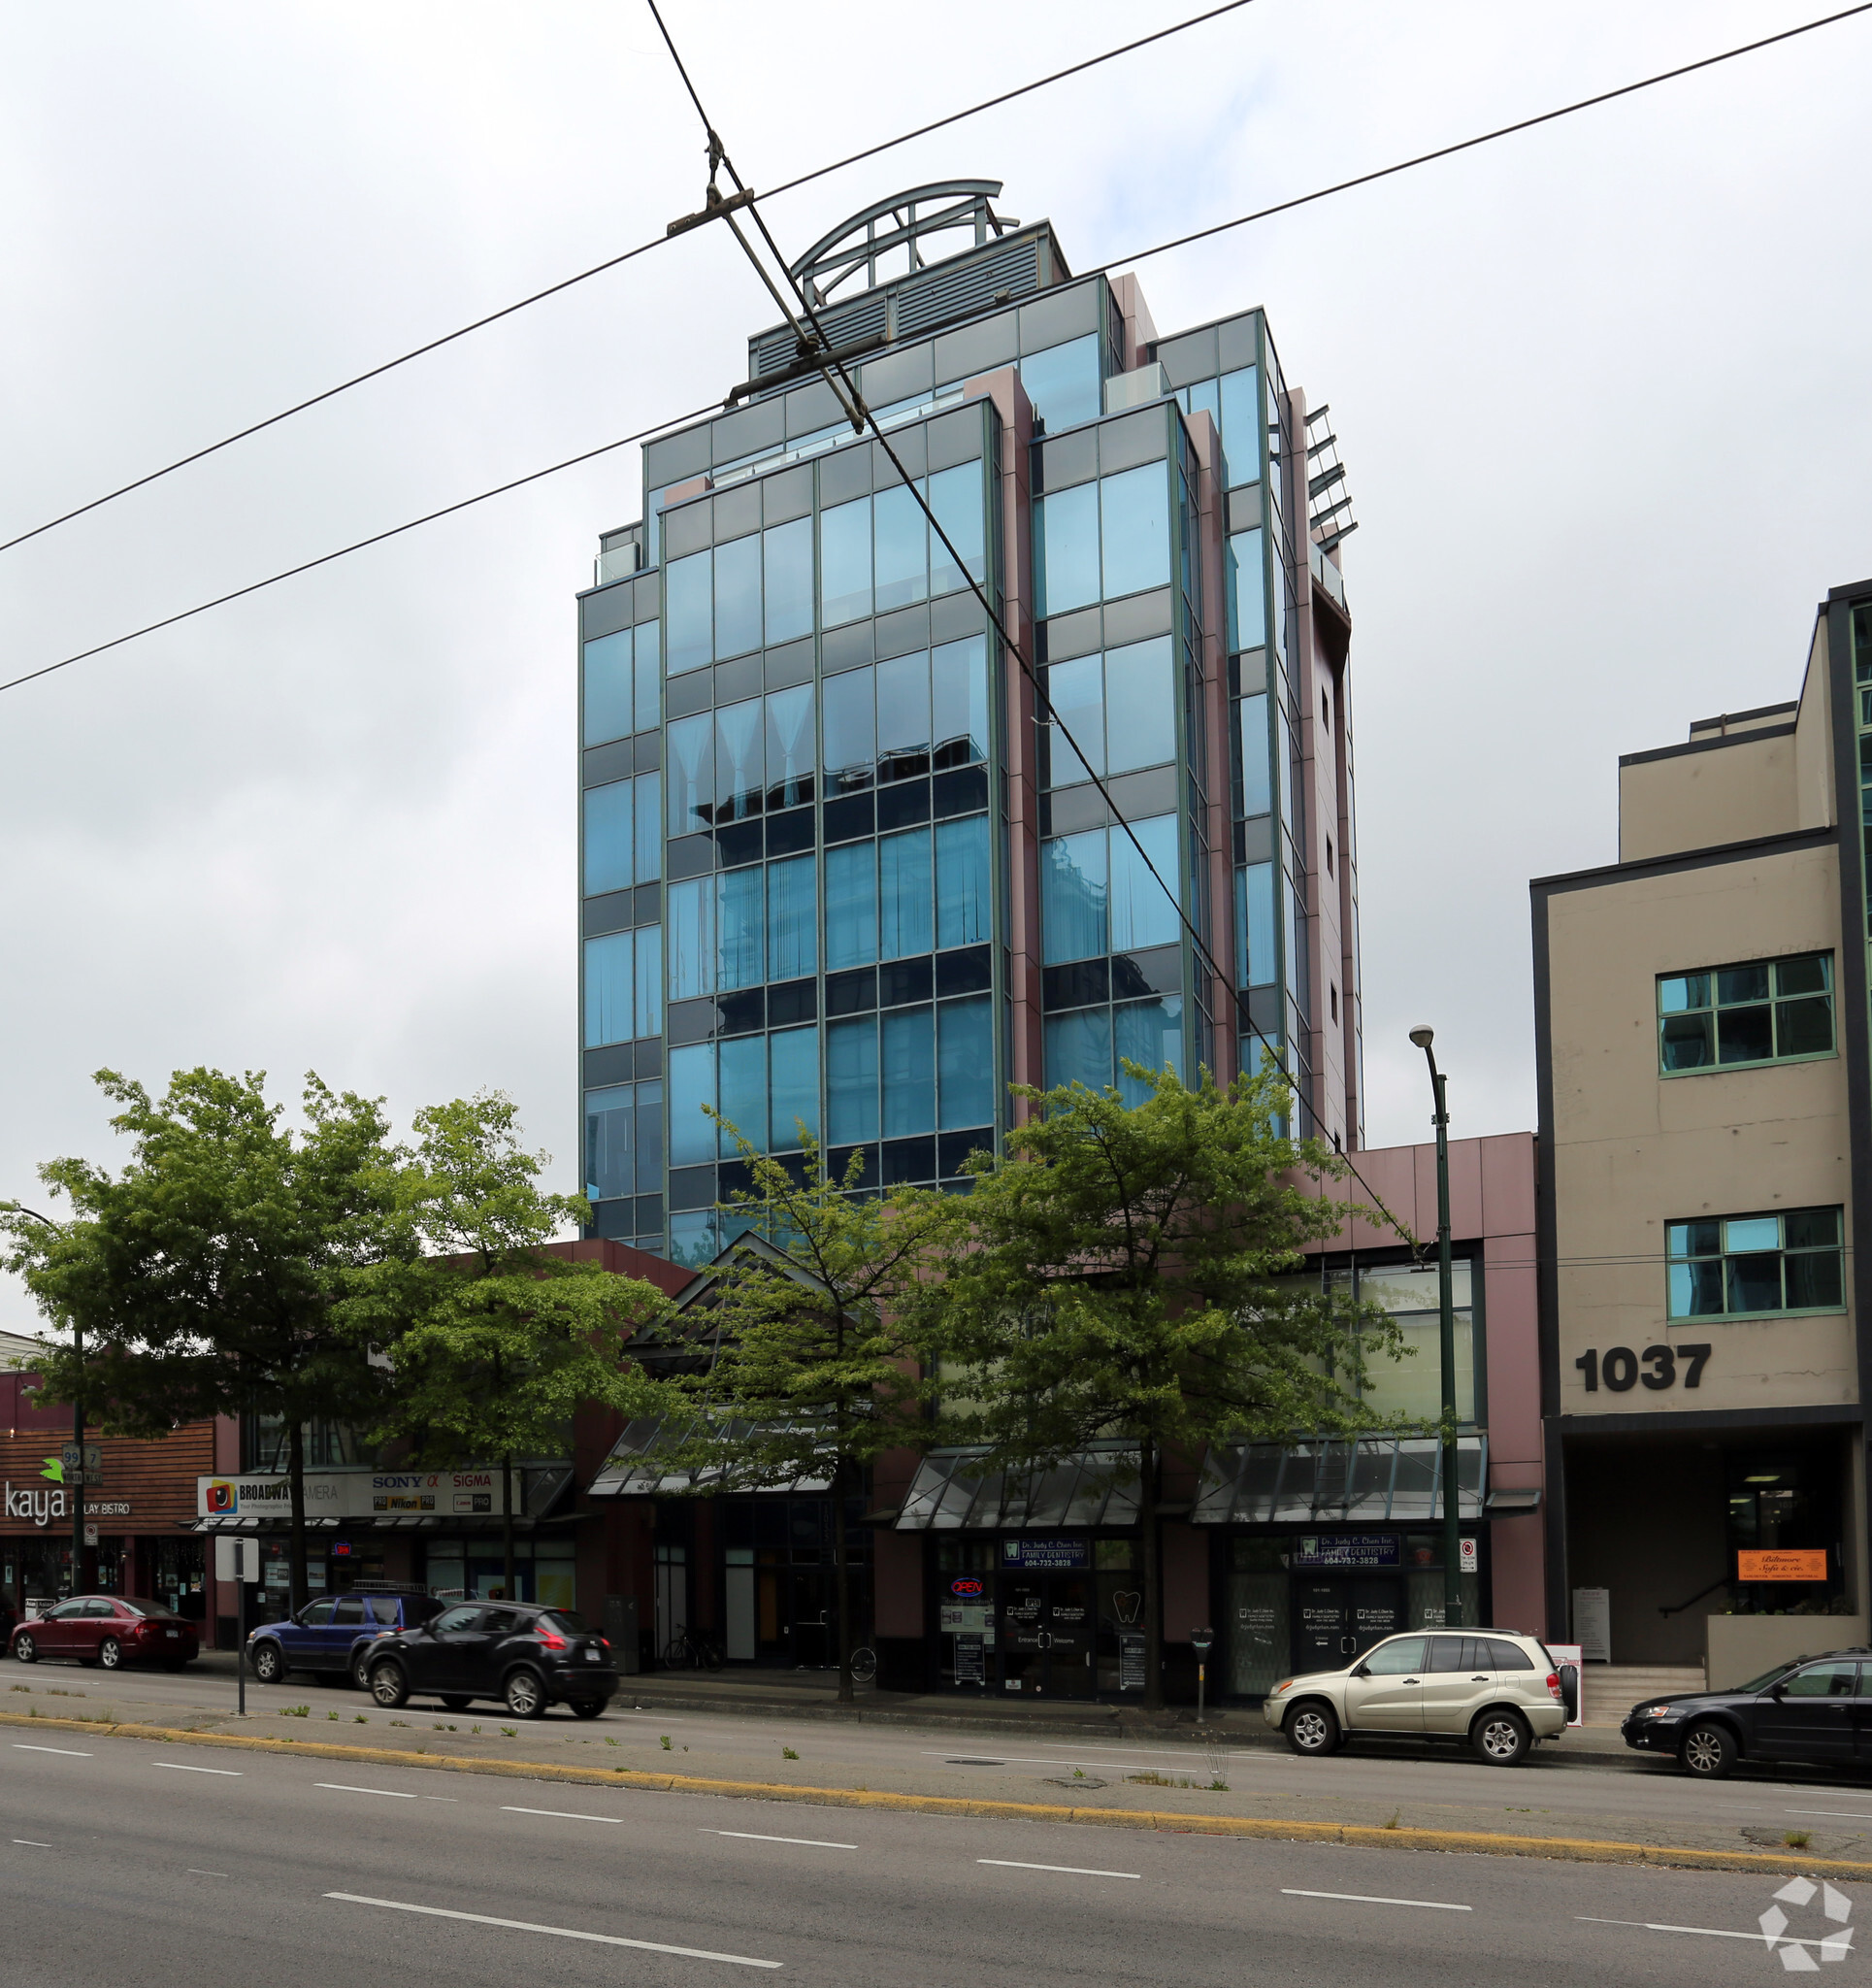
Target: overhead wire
1240 221
830 362
612 262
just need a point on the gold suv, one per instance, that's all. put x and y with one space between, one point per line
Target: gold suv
1495 1688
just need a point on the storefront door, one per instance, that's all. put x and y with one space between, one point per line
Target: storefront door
1338 1617
1048 1634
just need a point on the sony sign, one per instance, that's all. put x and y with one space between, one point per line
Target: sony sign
41 1506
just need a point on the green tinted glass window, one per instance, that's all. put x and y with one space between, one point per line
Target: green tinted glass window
1746 1266
1764 1011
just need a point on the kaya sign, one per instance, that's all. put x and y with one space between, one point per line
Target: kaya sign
41 1504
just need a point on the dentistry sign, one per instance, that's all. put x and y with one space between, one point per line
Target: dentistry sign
359 1494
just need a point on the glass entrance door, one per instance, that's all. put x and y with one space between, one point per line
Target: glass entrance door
1337 1618
1048 1634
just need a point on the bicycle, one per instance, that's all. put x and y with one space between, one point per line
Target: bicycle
692 1650
863 1664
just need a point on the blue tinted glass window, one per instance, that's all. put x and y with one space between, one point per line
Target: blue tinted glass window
692 1085
910 1071
789 580
845 562
608 838
692 1237
964 1064
1284 763
1149 1032
742 1091
691 773
793 1085
648 833
1290 976
1256 796
649 980
741 774
1241 426
609 687
792 919
1247 590
1073 897
956 497
958 674
851 729
1141 706
1136 529
903 541
1143 911
904 925
738 596
691 926
610 988
649 678
649 1138
903 715
687 590
1078 1048
1255 909
851 906
1067 549
965 912
1063 382
1076 693
739 953
789 747
851 1081
611 1143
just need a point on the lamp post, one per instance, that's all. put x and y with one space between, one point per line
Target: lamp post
75 1489
1423 1036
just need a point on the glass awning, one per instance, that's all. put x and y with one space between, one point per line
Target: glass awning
951 1493
633 1469
1357 1479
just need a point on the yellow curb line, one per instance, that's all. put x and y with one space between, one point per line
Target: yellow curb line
1472 1842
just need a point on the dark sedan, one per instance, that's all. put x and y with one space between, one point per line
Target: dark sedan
1816 1709
108 1630
525 1656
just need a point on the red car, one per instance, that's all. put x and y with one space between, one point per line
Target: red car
110 1629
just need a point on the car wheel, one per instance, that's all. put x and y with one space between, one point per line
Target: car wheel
526 1696
268 1663
361 1670
1708 1751
109 1654
587 1707
1313 1728
456 1702
25 1650
389 1686
1501 1739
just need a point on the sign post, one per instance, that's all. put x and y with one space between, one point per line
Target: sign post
239 1560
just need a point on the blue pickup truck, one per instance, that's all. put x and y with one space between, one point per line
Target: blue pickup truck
332 1636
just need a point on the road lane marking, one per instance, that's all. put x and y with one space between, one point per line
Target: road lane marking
749 1836
20 1747
1708 1931
688 1953
1036 1759
193 1872
346 1788
27 1843
1361 1897
1068 1870
1843 1814
564 1814
181 1766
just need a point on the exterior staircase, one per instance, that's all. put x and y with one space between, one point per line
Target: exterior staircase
1608 1691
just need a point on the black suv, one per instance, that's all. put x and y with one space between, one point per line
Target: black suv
526 1657
1813 1709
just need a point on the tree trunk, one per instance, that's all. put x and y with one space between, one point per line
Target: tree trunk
841 1561
1153 1575
296 1487
507 1525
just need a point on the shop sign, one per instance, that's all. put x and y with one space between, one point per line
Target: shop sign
359 1494
1347 1549
41 1504
1040 1553
1783 1564
965 1585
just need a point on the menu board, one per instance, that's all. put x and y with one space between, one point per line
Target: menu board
968 1660
1131 1663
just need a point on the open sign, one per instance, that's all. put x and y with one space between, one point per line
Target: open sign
968 1585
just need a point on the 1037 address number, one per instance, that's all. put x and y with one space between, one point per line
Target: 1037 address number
1620 1368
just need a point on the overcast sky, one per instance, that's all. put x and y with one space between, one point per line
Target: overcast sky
1602 390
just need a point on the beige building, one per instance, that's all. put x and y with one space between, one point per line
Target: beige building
1700 1017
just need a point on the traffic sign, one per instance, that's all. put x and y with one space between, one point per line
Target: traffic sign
79 1478
86 1456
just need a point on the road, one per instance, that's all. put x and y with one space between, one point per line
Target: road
189 1863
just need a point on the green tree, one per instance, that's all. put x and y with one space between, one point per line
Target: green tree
203 1278
493 1343
801 1358
1120 1275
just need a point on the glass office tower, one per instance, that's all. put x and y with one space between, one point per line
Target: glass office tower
838 878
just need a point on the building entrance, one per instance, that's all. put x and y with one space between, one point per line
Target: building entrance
1338 1617
1048 1634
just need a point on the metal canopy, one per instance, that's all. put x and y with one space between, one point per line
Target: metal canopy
1360 1481
952 1493
857 242
632 1469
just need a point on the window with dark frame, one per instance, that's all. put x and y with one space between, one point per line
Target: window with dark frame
1775 1010
1754 1266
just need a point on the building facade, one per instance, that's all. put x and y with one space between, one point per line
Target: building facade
1706 1145
837 877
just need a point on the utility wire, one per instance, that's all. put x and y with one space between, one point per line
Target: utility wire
862 416
613 262
1142 254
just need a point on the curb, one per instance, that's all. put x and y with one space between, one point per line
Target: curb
1471 1842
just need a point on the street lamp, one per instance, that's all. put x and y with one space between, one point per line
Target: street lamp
75 1489
1423 1036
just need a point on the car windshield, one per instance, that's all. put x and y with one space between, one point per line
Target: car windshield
1766 1678
568 1620
160 1611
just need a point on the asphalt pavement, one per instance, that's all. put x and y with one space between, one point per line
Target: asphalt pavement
188 1863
